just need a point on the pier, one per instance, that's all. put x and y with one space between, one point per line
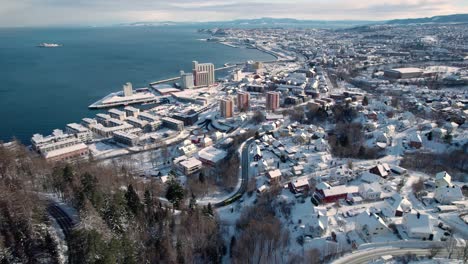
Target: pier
177 78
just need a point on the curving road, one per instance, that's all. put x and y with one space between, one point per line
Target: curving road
244 176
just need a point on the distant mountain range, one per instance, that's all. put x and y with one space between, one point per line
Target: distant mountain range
259 22
290 22
457 18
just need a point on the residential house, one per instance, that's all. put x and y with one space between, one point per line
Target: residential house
418 225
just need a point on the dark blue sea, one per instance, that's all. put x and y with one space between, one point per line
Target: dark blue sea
45 88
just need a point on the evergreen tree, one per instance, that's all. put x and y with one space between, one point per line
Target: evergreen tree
67 174
133 201
193 202
175 193
365 101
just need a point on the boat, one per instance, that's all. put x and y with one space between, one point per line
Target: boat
49 45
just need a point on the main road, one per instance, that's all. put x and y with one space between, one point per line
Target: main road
364 256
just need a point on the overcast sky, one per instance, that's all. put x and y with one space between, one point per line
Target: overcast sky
107 12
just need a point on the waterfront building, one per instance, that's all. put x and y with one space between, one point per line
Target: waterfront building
81 132
226 106
117 114
109 131
186 80
129 137
136 122
74 152
128 89
272 101
56 140
131 111
203 74
103 119
59 146
88 122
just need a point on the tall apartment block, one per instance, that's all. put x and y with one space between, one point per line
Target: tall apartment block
226 107
243 101
272 101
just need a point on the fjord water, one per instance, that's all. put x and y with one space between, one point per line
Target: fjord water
45 88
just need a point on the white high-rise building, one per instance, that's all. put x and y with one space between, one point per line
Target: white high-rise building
203 74
128 89
186 80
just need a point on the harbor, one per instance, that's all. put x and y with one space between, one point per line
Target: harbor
141 95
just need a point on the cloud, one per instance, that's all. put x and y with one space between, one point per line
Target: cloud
102 12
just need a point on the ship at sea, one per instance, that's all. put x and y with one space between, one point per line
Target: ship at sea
49 45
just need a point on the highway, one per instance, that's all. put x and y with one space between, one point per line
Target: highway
364 256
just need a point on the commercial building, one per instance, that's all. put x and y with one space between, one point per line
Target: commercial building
226 107
172 123
243 101
272 101
186 80
189 118
203 74
403 73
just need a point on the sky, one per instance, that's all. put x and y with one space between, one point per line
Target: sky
107 12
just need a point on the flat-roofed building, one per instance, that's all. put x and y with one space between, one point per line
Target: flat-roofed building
243 101
81 132
103 119
56 140
211 155
186 80
172 123
131 111
272 101
136 122
129 138
109 131
147 117
190 166
403 73
117 114
88 122
73 152
203 74
226 107
128 89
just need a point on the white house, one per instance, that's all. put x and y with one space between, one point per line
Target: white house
418 225
396 206
369 224
446 192
371 191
